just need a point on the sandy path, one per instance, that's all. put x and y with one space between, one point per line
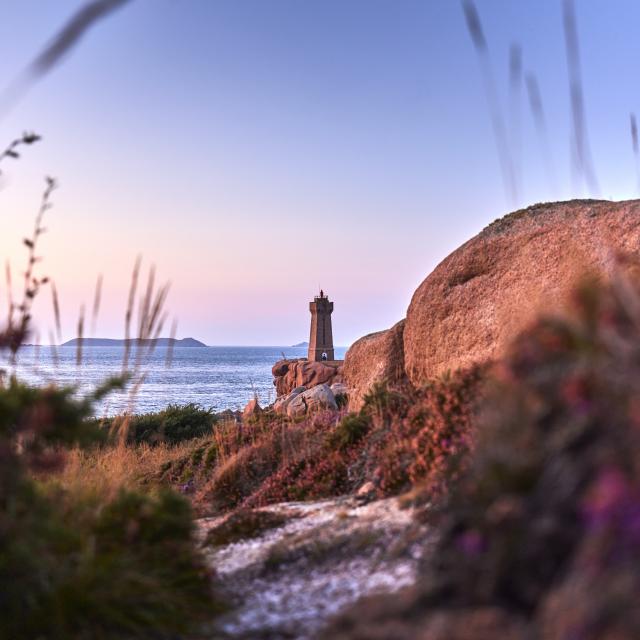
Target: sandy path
290 580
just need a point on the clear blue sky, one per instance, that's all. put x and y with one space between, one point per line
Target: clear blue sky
255 150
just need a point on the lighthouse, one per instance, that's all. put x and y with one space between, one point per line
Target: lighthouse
321 338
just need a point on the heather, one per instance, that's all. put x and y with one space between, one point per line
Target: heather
243 524
401 439
540 534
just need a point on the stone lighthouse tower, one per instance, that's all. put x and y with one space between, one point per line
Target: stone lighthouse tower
321 340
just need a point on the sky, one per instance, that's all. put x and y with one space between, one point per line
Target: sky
257 150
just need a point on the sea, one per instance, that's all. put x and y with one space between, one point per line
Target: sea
213 377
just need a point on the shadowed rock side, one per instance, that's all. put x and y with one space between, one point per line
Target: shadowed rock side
378 357
485 292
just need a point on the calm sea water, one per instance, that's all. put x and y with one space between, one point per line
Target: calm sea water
217 377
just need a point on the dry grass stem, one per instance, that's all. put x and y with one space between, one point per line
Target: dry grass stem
129 313
583 162
96 304
474 27
80 333
56 311
169 355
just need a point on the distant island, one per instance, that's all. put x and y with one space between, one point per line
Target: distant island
109 342
300 344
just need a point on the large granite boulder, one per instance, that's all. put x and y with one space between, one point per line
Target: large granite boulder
477 299
317 398
289 374
378 357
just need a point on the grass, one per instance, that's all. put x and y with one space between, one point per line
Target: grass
111 468
311 548
244 524
402 439
83 554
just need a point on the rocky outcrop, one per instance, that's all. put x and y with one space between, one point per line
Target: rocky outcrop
483 294
476 300
252 409
378 357
281 403
339 389
317 398
289 374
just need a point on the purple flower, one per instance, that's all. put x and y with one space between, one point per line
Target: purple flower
612 504
471 542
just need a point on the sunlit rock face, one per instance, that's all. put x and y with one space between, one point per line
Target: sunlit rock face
483 294
487 291
378 357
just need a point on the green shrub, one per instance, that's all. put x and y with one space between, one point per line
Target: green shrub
383 402
174 424
79 567
342 400
87 566
349 431
74 565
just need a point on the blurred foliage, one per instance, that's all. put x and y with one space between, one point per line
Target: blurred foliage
83 563
80 565
540 537
552 500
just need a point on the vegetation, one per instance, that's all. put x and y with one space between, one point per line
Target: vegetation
540 537
111 467
172 425
86 563
349 431
402 439
531 464
554 490
244 524
315 549
81 560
